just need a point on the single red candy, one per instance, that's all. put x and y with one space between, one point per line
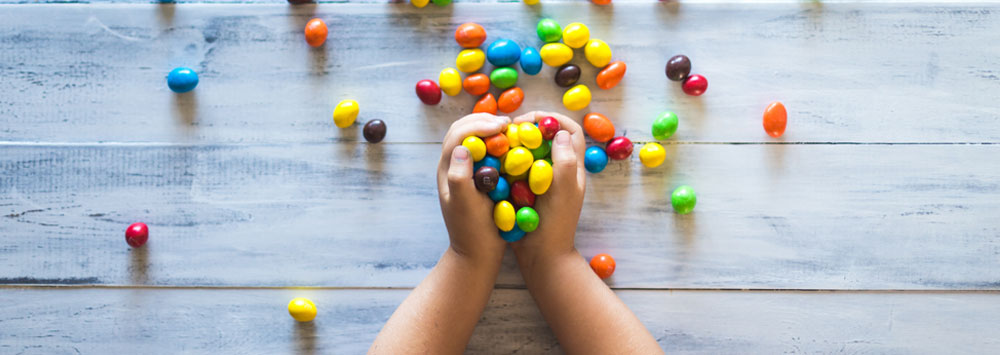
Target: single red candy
521 195
428 92
695 85
549 126
137 234
619 148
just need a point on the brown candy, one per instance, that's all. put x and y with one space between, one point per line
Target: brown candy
567 75
374 131
678 67
486 178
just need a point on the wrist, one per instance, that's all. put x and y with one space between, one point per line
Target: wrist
537 262
476 261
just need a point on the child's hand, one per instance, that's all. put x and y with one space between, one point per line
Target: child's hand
468 213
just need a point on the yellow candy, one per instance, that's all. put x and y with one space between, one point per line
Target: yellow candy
530 2
302 309
529 135
512 135
576 98
556 54
477 148
504 216
598 53
470 60
419 3
652 155
450 81
518 161
576 35
540 177
345 113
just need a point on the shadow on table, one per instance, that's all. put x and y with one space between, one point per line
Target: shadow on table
138 268
305 338
186 105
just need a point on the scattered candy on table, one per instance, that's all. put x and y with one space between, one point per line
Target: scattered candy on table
598 127
428 92
476 146
441 2
420 3
470 35
611 75
603 265
346 113
619 148
683 199
470 60
597 52
652 154
450 81
601 2
595 159
576 35
510 100
302 309
374 131
576 98
486 178
556 54
548 30
695 85
181 80
664 126
678 67
316 32
775 119
531 61
503 52
486 104
503 77
476 84
137 234
567 75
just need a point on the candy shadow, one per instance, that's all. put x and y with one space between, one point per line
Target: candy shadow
686 226
305 338
138 268
165 12
186 107
318 59
375 159
775 155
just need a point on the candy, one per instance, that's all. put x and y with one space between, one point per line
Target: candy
611 75
501 191
374 131
530 2
346 113
470 35
601 2
450 81
595 159
529 135
527 219
181 80
576 98
576 35
652 155
428 92
510 100
302 309
137 234
531 61
542 151
513 136
540 177
549 126
597 52
503 77
678 67
518 161
503 52
548 30
695 85
486 104
513 235
619 148
420 3
497 145
487 161
503 216
522 177
486 178
476 146
598 127
664 126
683 199
521 195
556 54
603 265
476 84
316 32
775 119
567 75
470 60
441 2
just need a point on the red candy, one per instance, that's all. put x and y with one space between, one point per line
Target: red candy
521 195
603 265
428 92
619 148
695 85
137 234
775 119
549 127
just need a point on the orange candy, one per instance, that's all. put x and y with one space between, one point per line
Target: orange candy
316 32
470 35
598 127
486 104
497 145
601 2
610 76
775 119
510 100
476 84
603 265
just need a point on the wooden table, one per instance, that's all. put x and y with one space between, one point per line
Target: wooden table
872 226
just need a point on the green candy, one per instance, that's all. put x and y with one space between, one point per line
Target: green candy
442 2
683 199
542 151
527 219
549 30
549 159
665 126
503 77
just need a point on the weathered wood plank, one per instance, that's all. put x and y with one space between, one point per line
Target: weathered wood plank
768 216
846 71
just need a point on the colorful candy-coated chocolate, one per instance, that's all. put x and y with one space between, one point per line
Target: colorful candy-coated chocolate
521 195
302 309
529 135
576 98
652 154
510 100
548 30
513 136
503 77
683 199
598 127
428 92
470 35
556 54
476 84
374 131
502 190
619 148
597 52
486 178
503 52
775 119
441 2
476 146
181 80
517 161
420 3
137 234
665 126
497 145
450 81
487 161
678 67
695 85
512 235
542 151
540 177
521 177
549 126
595 159
470 60
601 2
531 61
576 35
316 32
567 75
486 104
346 113
603 265
611 75
527 219
530 2
504 216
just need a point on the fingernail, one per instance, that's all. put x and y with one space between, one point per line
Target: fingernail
460 154
562 138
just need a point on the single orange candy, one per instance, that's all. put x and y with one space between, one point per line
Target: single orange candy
470 35
497 145
486 104
610 76
601 2
775 119
476 84
598 127
316 32
510 100
603 265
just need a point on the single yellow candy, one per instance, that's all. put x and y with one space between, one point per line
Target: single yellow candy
518 161
529 135
576 98
476 146
652 155
470 60
556 54
419 3
598 53
512 135
540 177
450 81
345 113
504 216
530 2
576 35
302 309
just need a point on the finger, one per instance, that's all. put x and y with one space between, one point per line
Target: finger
460 173
565 122
465 120
483 125
565 161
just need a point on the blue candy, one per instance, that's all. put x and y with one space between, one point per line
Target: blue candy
531 61
501 191
181 80
488 160
513 235
503 52
595 159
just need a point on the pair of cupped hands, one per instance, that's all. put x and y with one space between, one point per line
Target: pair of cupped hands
468 213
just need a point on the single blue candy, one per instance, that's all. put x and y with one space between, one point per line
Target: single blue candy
501 191
531 61
595 159
181 80
488 160
513 235
503 52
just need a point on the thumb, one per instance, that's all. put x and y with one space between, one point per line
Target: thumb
460 171
564 160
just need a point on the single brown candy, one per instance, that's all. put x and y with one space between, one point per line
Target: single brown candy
374 131
567 75
486 178
678 67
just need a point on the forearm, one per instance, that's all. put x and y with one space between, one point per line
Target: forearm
438 317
